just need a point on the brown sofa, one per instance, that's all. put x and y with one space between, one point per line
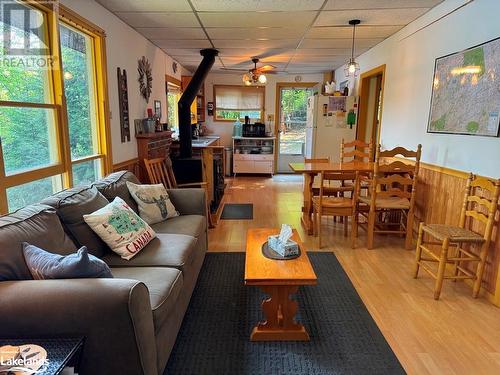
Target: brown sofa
130 322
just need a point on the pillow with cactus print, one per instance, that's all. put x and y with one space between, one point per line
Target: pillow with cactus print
121 228
153 202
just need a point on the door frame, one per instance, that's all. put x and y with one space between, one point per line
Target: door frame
277 109
364 88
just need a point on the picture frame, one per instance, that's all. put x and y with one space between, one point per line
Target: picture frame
157 108
464 97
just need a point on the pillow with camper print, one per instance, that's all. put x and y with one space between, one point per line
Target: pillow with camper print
121 228
153 201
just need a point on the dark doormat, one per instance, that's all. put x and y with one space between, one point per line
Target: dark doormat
237 211
214 337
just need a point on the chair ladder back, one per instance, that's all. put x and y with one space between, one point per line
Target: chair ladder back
477 206
395 186
348 176
170 172
360 150
158 172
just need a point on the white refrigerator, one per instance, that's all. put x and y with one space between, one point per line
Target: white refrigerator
329 119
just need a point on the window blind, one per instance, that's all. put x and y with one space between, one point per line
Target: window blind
231 98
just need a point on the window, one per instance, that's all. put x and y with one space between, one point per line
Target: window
47 143
233 102
173 96
79 88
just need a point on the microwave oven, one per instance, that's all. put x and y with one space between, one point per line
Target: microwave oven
254 130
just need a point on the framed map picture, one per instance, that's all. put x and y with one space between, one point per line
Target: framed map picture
466 92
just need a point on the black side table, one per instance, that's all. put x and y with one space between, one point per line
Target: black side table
61 352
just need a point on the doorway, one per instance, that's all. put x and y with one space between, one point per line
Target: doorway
291 119
370 110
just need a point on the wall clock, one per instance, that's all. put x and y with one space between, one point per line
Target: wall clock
145 78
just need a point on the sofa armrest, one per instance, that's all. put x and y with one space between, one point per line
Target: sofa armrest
114 315
189 201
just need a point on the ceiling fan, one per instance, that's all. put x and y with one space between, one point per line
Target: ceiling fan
256 74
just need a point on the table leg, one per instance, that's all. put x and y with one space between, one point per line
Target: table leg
307 208
279 311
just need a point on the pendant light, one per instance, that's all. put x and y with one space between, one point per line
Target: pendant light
352 67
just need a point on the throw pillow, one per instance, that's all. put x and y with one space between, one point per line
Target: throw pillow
153 201
121 228
44 265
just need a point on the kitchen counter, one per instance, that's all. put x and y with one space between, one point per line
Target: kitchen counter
202 142
256 138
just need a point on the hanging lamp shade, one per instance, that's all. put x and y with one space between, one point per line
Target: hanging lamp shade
352 67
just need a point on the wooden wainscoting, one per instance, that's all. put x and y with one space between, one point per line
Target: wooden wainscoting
131 165
440 193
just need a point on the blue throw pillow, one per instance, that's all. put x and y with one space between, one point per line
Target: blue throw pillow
45 265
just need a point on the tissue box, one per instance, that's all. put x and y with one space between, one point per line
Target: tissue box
288 249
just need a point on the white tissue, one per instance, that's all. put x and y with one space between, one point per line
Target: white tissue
285 233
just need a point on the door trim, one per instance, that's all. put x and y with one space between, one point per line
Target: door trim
277 107
364 88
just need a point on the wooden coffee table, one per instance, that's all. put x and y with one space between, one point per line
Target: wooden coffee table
279 279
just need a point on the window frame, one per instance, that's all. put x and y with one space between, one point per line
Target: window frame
54 16
172 81
242 88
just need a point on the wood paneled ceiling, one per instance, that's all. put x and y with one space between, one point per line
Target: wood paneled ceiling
297 36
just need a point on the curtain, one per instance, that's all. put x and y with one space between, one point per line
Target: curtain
239 98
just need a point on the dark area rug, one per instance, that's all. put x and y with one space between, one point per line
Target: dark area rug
237 211
214 338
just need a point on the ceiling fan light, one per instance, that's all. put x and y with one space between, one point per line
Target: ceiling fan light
262 79
247 83
245 78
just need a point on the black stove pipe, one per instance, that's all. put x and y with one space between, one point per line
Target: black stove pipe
185 130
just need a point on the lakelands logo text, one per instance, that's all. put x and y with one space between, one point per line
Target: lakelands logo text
24 365
24 34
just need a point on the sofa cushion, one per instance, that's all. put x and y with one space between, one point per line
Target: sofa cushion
115 185
44 265
37 224
121 228
191 225
166 250
164 285
71 205
153 202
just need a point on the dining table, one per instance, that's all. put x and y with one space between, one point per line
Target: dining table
311 169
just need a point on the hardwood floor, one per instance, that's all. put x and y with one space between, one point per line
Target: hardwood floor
455 335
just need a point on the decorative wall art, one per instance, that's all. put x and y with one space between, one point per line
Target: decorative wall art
145 78
465 95
157 108
123 105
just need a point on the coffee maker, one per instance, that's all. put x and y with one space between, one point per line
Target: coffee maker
253 130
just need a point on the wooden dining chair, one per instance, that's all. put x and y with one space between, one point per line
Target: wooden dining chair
335 206
389 206
314 187
475 227
160 171
356 151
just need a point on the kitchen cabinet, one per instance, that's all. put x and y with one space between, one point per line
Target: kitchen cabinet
253 155
198 105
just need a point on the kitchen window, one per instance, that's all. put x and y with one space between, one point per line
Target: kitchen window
53 119
236 102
